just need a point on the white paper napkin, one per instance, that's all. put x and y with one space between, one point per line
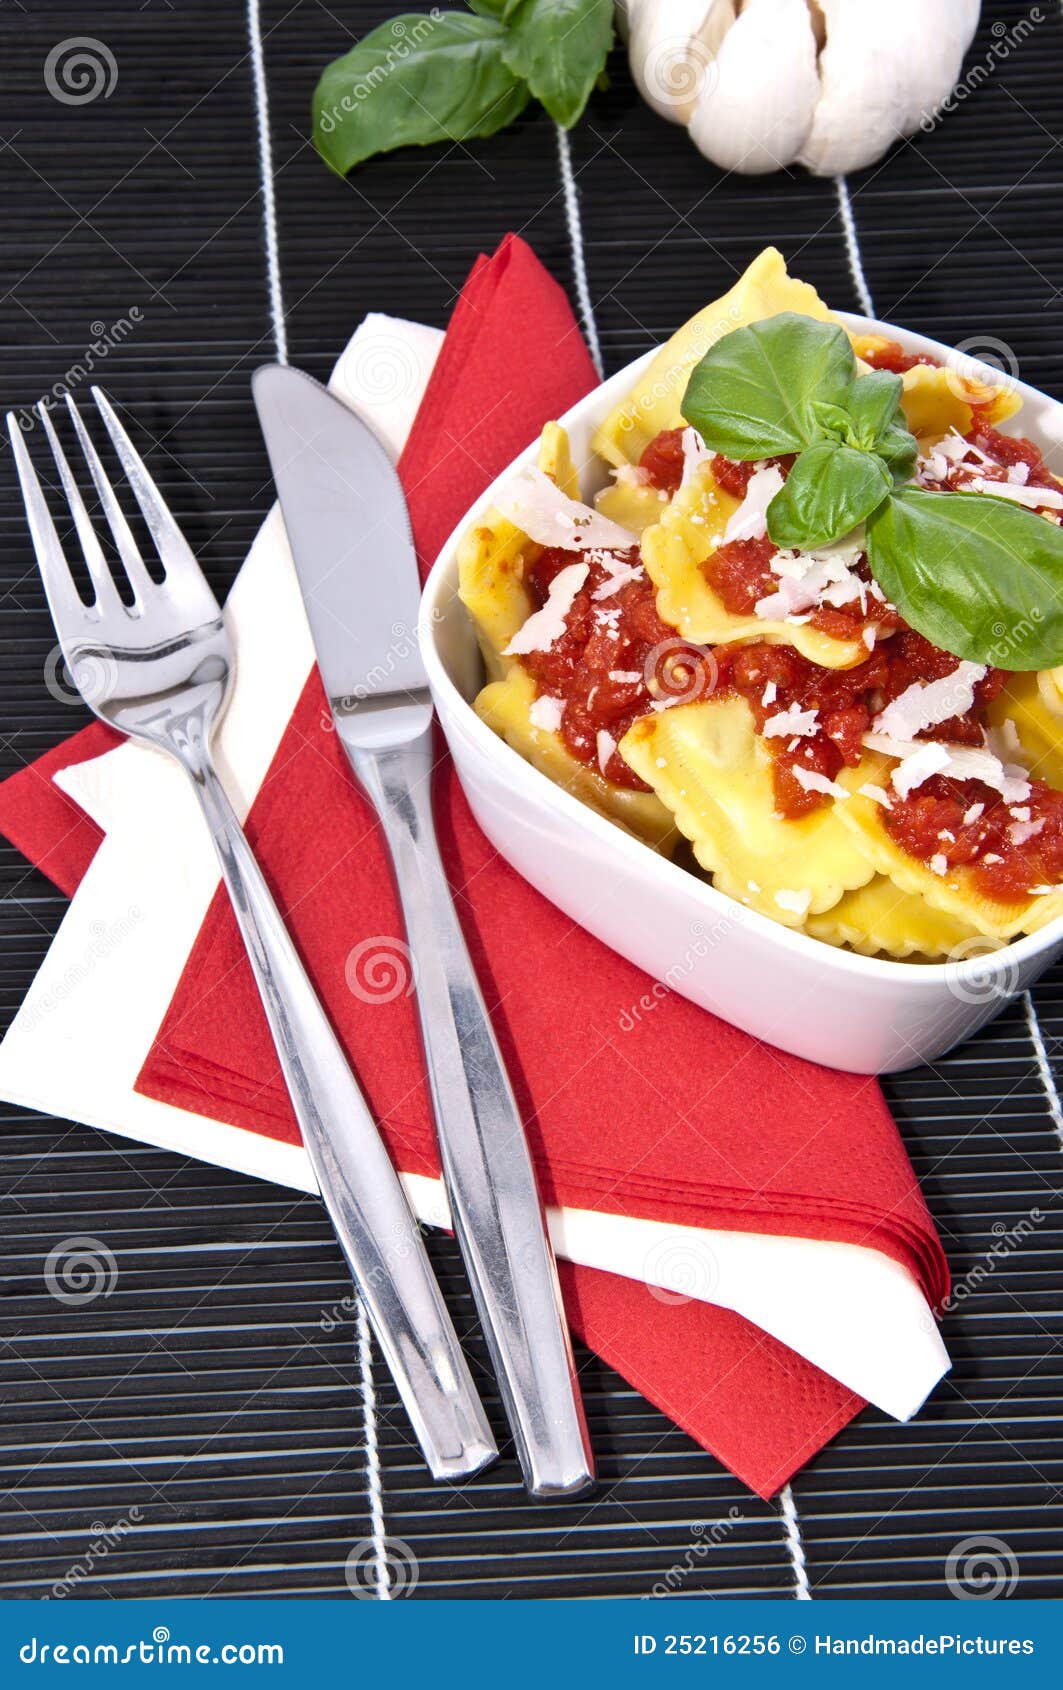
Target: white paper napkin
82 1035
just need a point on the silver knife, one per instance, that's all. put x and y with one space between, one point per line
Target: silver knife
349 530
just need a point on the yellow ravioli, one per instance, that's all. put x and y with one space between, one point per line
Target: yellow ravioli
493 556
711 768
555 459
956 892
763 290
633 506
936 400
879 918
506 705
673 550
1034 703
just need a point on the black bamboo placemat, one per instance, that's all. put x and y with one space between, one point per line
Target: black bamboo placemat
203 1429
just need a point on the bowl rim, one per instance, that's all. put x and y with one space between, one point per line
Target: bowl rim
801 945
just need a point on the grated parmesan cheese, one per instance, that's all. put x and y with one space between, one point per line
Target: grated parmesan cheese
533 503
1020 832
877 794
809 579
546 626
919 759
631 475
619 576
695 453
926 704
750 520
606 745
796 902
792 720
547 713
812 781
1033 498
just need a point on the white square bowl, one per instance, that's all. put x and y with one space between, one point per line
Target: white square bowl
864 1014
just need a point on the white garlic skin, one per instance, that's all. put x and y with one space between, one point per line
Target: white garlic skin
829 84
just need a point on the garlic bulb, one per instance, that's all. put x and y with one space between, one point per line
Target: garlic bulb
830 84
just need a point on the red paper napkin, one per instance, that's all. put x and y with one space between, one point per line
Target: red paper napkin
42 821
679 1118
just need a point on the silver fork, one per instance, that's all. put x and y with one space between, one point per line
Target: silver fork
162 671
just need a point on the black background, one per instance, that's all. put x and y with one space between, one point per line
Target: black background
203 1393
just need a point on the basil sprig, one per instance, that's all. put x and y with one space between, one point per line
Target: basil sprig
456 76
829 492
756 390
978 575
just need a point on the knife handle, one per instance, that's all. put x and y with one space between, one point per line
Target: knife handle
495 1205
361 1190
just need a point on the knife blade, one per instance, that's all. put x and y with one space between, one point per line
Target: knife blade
350 536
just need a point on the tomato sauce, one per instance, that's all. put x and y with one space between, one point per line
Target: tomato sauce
663 460
614 659
892 356
663 463
740 573
1004 452
1009 449
1009 848
776 678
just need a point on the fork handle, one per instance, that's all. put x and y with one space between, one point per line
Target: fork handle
495 1205
358 1183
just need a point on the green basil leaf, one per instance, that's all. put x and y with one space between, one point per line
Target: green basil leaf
872 403
898 450
421 78
829 491
977 575
751 395
501 9
833 422
558 47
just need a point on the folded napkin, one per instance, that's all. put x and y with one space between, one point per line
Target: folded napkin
679 1150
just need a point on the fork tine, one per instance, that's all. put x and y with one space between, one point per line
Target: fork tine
69 613
107 595
172 546
127 548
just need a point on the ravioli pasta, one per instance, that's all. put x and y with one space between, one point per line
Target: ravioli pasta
708 766
757 735
494 554
673 552
506 707
1033 703
654 402
954 892
879 918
